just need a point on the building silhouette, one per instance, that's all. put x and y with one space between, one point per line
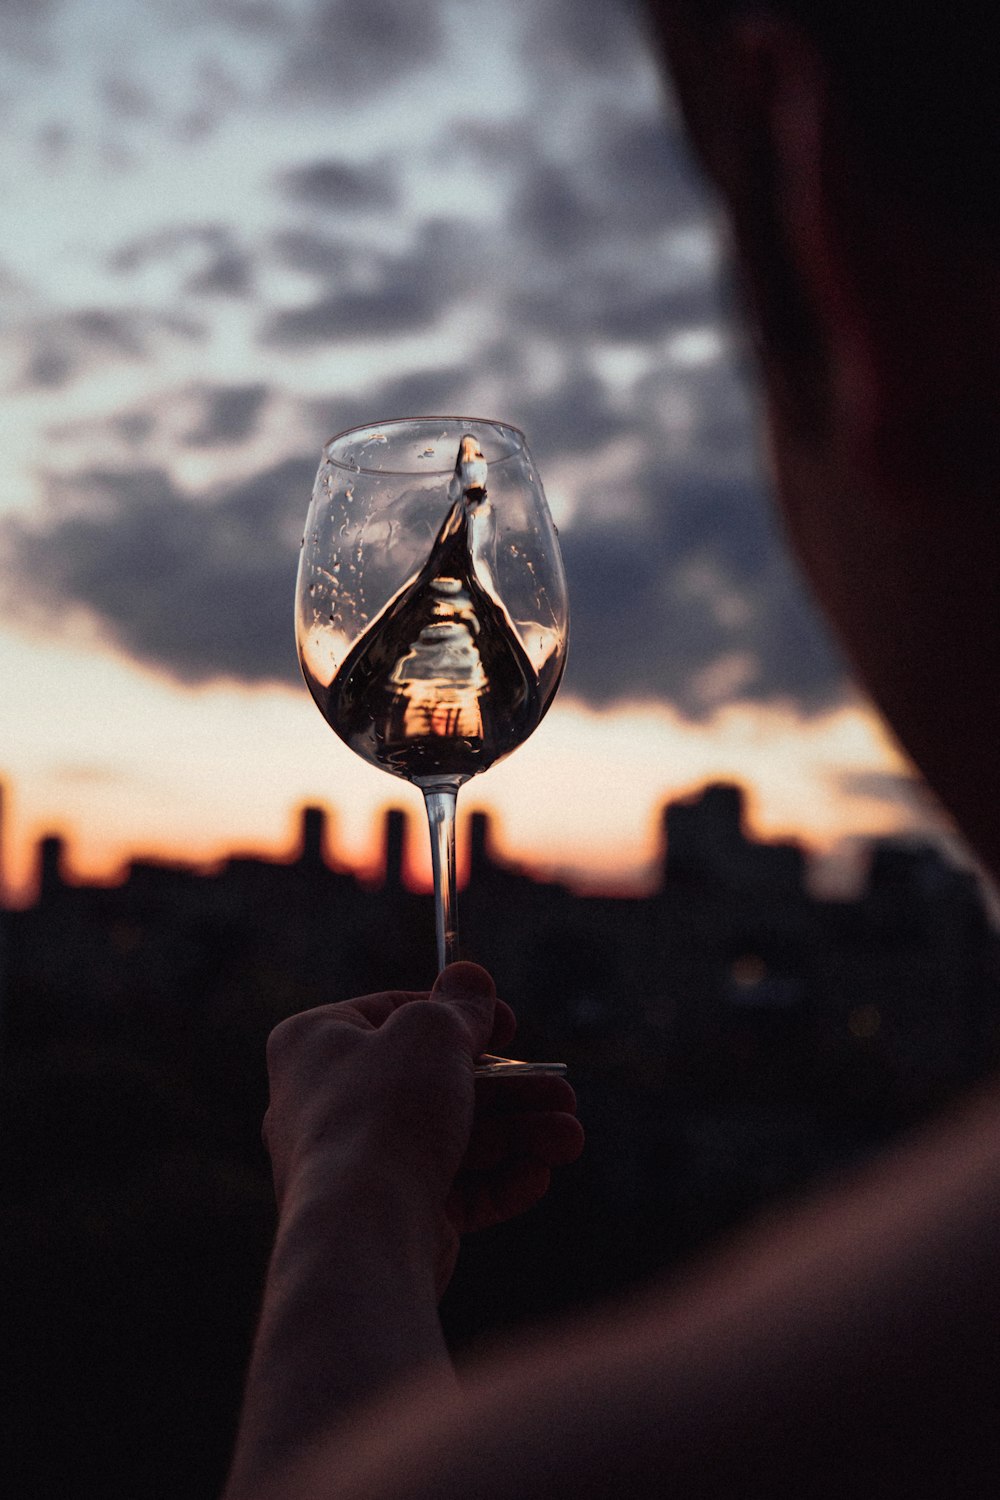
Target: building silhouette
731 1038
730 942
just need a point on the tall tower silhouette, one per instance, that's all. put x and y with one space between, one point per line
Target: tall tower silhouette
51 866
481 859
394 848
312 838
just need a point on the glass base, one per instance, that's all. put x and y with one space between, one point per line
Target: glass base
489 1066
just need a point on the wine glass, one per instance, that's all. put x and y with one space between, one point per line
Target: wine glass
431 614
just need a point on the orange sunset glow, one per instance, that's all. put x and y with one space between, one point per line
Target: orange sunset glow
189 321
198 774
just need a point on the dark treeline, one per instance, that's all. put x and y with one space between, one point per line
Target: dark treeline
731 1038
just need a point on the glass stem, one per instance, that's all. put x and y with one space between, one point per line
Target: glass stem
440 803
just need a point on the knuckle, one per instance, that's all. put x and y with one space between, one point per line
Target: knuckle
290 1034
279 1041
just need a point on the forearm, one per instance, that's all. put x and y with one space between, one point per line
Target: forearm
850 1349
349 1309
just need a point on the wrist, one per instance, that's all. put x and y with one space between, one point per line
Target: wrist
354 1205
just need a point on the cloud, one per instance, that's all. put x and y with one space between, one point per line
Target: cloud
629 176
697 604
434 391
229 414
598 303
197 588
643 172
313 254
574 417
258 17
691 598
249 18
194 415
126 99
596 267
356 49
383 294
338 186
210 257
599 36
58 347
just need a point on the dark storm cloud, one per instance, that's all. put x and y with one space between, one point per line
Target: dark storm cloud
229 414
339 187
306 251
258 17
193 416
27 12
384 294
59 347
358 48
198 589
596 35
134 427
227 272
630 177
419 393
698 605
600 235
126 99
251 18
575 417
598 303
642 171
552 210
210 257
387 310
688 597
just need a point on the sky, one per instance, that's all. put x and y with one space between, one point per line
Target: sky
235 227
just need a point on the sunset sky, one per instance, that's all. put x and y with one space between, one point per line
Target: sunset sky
235 227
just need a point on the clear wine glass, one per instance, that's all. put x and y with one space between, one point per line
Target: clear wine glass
431 614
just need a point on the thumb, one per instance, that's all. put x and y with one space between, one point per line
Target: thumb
469 990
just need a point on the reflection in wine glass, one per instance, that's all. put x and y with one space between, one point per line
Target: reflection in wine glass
431 613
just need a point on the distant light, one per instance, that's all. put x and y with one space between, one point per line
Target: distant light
748 971
864 1022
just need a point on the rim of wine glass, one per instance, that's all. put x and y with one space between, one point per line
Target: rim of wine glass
411 422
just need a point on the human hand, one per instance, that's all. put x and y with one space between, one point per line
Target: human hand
381 1091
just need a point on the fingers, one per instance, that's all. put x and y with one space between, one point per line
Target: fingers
554 1139
479 1201
513 1092
471 993
504 1027
375 1009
